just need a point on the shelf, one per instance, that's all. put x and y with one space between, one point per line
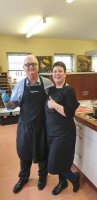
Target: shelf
5 84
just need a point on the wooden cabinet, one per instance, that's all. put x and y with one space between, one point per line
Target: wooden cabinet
84 85
86 152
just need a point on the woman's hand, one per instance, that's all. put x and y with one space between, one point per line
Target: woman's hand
51 103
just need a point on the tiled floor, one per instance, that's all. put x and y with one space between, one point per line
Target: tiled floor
9 168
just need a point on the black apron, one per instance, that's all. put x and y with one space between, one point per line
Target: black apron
31 134
61 137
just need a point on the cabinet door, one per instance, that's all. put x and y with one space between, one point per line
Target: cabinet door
85 152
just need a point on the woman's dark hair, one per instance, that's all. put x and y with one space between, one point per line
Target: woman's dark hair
61 64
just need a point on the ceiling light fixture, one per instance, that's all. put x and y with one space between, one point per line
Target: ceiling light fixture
69 1
38 27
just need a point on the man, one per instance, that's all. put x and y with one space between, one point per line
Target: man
29 95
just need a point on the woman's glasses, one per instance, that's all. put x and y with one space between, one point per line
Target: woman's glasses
30 65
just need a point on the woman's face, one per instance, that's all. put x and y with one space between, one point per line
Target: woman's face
59 75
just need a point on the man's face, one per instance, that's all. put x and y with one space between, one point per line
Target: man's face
31 66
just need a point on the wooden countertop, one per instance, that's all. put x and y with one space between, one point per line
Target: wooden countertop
84 119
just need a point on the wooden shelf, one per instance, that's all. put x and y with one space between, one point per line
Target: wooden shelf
5 84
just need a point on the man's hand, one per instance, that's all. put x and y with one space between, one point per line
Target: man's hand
6 100
5 97
9 105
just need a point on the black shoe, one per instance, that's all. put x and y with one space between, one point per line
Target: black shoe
76 182
42 182
19 185
59 187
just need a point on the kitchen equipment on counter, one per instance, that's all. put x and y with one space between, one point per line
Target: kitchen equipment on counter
94 103
95 111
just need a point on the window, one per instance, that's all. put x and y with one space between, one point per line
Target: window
68 59
15 65
94 63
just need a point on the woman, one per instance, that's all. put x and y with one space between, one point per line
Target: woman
61 131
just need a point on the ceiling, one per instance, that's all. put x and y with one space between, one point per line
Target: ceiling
77 20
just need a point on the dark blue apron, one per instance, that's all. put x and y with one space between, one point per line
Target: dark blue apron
31 134
61 136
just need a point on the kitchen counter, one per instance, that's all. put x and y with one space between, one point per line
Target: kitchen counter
86 120
86 141
85 108
85 158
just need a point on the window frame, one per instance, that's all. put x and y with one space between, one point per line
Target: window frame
72 56
19 71
94 67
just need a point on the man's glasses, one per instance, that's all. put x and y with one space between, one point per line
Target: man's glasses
30 65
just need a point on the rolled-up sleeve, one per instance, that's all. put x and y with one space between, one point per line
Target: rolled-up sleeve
70 103
17 94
